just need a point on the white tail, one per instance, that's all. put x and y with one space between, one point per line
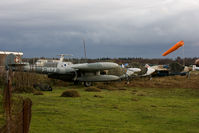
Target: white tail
195 68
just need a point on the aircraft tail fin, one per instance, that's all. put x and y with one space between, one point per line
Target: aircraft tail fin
194 67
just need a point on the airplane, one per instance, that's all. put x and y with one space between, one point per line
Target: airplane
170 70
133 72
67 71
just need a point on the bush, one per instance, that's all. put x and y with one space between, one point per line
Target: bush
176 67
26 89
116 71
70 93
92 89
23 81
107 87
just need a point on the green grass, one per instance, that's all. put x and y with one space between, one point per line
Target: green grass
133 110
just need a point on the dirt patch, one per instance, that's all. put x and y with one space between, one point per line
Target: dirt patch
107 87
140 94
70 93
92 89
134 99
38 93
122 89
98 96
153 106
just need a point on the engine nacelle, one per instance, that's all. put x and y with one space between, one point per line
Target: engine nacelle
98 78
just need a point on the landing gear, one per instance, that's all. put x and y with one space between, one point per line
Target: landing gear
87 84
77 83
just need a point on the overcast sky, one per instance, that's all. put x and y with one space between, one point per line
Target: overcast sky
111 28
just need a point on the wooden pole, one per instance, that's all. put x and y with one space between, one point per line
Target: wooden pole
84 50
7 100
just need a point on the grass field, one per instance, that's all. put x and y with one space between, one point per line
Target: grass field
131 110
162 105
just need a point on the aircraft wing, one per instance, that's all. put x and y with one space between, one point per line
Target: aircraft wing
91 71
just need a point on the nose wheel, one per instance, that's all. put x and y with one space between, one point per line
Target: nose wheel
87 84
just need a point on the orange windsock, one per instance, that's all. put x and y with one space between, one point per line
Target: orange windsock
175 47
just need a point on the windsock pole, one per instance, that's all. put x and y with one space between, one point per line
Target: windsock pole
183 56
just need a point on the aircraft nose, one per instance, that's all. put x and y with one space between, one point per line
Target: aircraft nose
114 65
109 65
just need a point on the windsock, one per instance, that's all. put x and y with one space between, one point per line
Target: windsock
175 47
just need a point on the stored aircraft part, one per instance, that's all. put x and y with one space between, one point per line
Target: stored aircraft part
161 73
175 47
129 73
150 71
42 87
195 68
134 69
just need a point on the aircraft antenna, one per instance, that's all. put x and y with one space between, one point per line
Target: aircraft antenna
84 49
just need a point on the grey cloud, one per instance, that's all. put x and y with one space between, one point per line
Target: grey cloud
110 27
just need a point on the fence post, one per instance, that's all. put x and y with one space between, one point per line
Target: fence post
27 105
7 100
